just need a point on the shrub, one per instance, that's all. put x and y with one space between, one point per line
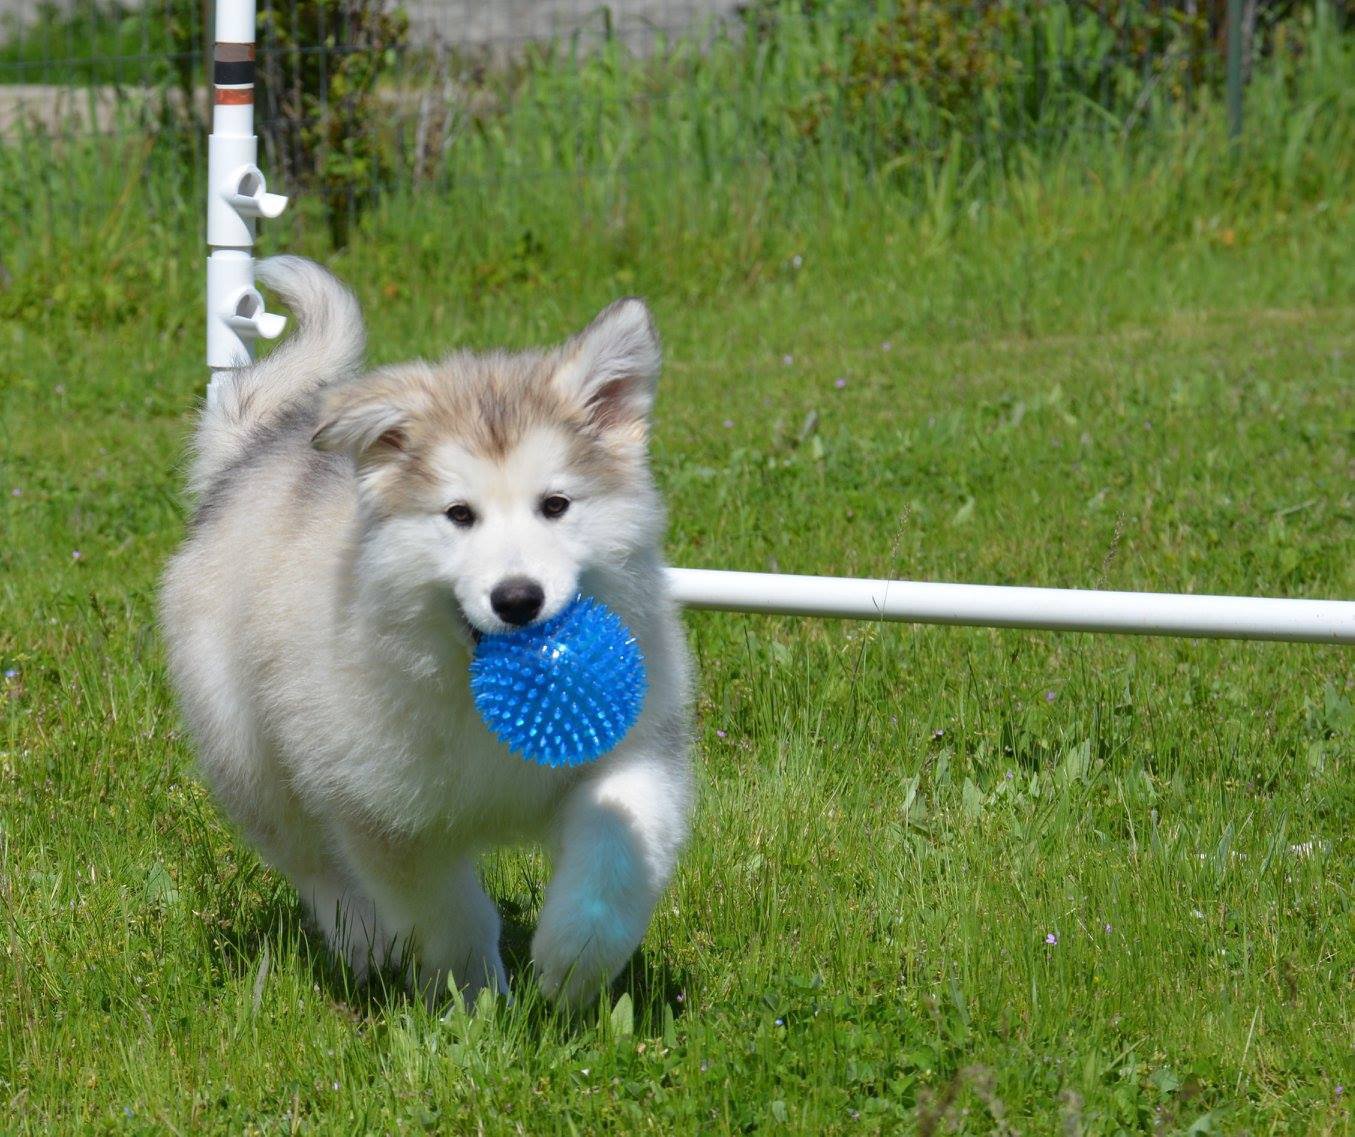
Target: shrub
320 62
914 73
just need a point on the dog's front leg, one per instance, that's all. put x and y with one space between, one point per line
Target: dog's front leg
620 831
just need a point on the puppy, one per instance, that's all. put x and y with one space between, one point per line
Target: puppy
353 535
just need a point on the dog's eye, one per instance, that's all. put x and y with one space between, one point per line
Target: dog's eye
461 515
554 505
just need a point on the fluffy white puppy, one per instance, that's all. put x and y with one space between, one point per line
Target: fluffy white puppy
353 533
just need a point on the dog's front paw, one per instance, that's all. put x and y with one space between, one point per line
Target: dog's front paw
580 946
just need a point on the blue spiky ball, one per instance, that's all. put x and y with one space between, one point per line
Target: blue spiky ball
562 692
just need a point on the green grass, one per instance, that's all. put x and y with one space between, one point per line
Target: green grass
1116 365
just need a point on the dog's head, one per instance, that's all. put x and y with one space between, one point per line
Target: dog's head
499 479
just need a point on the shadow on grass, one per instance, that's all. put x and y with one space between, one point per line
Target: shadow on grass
652 982
280 929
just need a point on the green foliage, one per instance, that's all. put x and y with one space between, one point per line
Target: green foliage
916 90
320 66
916 72
927 56
904 76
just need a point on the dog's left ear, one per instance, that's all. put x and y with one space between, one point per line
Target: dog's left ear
368 417
611 368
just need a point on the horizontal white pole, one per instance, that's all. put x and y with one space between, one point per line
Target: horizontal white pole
1048 609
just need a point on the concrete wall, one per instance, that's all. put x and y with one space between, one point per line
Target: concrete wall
459 21
481 21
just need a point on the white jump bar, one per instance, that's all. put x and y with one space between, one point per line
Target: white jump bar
1047 609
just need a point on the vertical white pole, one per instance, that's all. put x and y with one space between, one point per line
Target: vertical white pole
236 195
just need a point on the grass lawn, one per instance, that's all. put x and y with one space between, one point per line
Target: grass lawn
941 880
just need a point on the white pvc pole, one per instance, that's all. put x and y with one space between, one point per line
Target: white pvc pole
1048 609
236 196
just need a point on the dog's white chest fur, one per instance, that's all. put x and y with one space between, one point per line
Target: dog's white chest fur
426 762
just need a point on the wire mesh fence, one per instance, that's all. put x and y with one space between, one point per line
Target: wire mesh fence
362 98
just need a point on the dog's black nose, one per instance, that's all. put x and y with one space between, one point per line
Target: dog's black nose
517 600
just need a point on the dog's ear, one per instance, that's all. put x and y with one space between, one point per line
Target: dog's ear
611 368
364 423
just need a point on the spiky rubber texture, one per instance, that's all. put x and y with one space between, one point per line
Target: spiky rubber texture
562 692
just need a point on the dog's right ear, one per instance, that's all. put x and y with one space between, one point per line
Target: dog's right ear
364 423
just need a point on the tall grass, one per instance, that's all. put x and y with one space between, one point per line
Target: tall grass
722 146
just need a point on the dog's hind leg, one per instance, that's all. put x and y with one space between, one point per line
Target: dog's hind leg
347 920
434 909
458 942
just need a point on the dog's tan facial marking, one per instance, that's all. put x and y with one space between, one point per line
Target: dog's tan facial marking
505 406
486 403
595 392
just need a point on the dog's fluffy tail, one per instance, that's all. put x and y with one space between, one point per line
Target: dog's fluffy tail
326 347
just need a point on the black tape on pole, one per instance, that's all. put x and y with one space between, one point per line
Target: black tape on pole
233 74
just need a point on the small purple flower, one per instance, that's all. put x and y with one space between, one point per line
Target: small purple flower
76 554
16 492
720 734
11 673
1010 775
780 1022
1340 1090
1109 928
1049 696
839 382
729 424
787 359
1052 939
886 346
